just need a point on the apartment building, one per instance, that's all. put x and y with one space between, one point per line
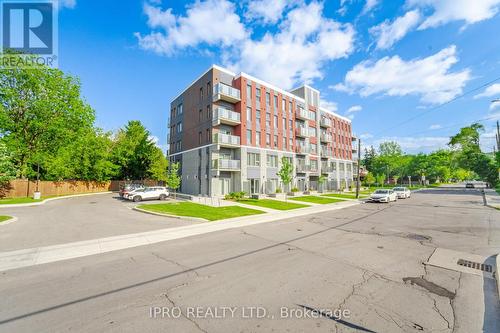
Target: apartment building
230 132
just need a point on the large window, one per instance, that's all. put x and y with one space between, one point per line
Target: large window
268 99
312 131
249 114
268 139
314 165
257 93
179 109
272 161
257 139
276 122
275 102
249 91
249 136
253 159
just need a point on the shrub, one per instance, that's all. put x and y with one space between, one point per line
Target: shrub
278 190
295 189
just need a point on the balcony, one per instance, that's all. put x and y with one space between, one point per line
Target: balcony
301 131
325 137
225 116
300 113
325 122
226 140
226 93
226 165
302 149
325 168
326 153
301 167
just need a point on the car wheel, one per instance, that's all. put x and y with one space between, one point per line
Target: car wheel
163 197
137 198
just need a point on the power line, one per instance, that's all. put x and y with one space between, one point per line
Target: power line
489 83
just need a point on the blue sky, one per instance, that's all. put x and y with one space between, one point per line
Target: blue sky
395 67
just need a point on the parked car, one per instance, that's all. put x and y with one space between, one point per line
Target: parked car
383 195
132 192
402 192
149 193
469 185
129 188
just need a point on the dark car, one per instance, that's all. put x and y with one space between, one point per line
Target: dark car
129 188
469 185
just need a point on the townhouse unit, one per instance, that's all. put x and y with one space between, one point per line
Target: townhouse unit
229 132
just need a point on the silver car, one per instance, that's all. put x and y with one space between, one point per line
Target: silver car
402 192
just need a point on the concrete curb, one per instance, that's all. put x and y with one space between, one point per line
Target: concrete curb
12 219
170 215
38 203
53 253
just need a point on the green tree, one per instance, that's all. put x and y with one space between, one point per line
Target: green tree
321 180
41 110
7 168
173 179
369 179
134 151
159 166
285 173
380 179
369 158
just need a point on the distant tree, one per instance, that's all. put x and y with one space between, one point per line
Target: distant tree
380 179
369 158
285 173
390 148
369 179
134 151
173 179
158 169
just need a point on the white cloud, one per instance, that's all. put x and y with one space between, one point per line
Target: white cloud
265 11
444 11
305 40
330 106
369 5
428 78
494 105
417 144
388 32
366 136
435 127
197 27
354 108
492 90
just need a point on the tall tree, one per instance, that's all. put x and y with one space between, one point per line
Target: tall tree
158 169
285 173
173 179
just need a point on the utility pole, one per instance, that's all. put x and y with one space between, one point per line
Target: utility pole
358 166
498 136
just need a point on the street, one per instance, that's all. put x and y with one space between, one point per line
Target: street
285 276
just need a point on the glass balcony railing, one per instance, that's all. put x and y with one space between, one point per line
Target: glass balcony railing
227 93
225 164
303 149
325 122
301 114
225 116
325 137
226 139
301 131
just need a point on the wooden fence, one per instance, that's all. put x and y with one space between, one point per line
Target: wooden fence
25 188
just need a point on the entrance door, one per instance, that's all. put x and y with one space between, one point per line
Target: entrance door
254 186
225 185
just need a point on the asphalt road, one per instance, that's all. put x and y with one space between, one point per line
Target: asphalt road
360 261
77 219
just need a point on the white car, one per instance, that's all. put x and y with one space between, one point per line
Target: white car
149 193
126 192
383 195
402 192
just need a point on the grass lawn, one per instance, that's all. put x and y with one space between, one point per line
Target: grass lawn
4 218
344 195
19 200
196 210
316 199
273 204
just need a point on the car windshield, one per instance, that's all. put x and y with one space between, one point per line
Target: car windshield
139 190
381 191
399 189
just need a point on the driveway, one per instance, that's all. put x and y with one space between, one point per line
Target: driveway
367 259
77 219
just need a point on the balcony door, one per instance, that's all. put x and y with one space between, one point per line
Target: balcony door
225 185
254 186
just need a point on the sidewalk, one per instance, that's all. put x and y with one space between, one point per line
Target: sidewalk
492 198
41 255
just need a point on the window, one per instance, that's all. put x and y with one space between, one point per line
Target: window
275 141
201 93
199 138
268 139
284 143
257 139
284 126
275 102
283 104
173 113
249 114
312 115
312 131
268 98
179 128
249 136
208 134
249 91
209 113
257 116
276 122
253 159
290 143
209 88
314 165
200 115
272 161
179 109
290 106
257 93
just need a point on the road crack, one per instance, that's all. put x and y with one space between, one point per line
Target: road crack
167 296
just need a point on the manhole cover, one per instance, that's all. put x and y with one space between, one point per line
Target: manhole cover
475 265
419 237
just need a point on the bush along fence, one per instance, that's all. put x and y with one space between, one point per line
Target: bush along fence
25 188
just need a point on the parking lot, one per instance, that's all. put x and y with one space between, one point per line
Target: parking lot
76 219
